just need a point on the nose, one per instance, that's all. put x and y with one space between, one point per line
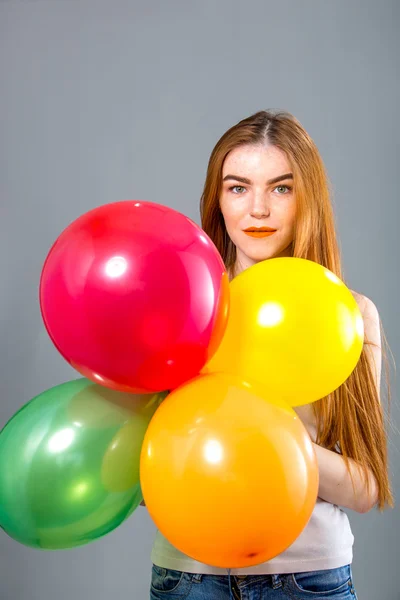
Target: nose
259 208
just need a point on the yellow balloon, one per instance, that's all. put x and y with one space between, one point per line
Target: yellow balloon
294 327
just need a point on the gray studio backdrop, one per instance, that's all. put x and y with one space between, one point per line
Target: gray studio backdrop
109 100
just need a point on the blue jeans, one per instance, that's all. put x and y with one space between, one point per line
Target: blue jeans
333 584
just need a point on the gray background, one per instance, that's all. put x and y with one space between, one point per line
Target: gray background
109 100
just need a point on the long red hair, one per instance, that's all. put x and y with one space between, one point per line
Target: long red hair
351 419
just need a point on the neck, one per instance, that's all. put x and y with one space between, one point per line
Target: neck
243 262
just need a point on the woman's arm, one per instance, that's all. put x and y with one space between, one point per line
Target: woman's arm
335 484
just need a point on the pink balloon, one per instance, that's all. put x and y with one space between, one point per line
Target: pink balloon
135 296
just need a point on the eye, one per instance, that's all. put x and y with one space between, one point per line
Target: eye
286 188
235 187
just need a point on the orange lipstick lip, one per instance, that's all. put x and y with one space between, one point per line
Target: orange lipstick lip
259 233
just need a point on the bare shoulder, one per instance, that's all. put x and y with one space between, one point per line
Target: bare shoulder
370 316
359 298
366 306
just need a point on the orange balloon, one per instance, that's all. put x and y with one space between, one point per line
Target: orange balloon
229 478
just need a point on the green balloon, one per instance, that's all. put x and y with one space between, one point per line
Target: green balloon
69 464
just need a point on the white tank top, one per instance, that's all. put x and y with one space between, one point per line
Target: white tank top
325 543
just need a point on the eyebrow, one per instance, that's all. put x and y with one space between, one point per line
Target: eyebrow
248 181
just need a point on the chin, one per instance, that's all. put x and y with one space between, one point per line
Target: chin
257 251
260 256
266 253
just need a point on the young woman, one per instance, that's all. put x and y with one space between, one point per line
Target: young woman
266 174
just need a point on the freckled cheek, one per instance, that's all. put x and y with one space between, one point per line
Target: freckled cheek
234 215
286 214
292 217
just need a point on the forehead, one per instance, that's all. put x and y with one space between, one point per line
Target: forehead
251 160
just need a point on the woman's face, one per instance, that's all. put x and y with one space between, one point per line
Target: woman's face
258 203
